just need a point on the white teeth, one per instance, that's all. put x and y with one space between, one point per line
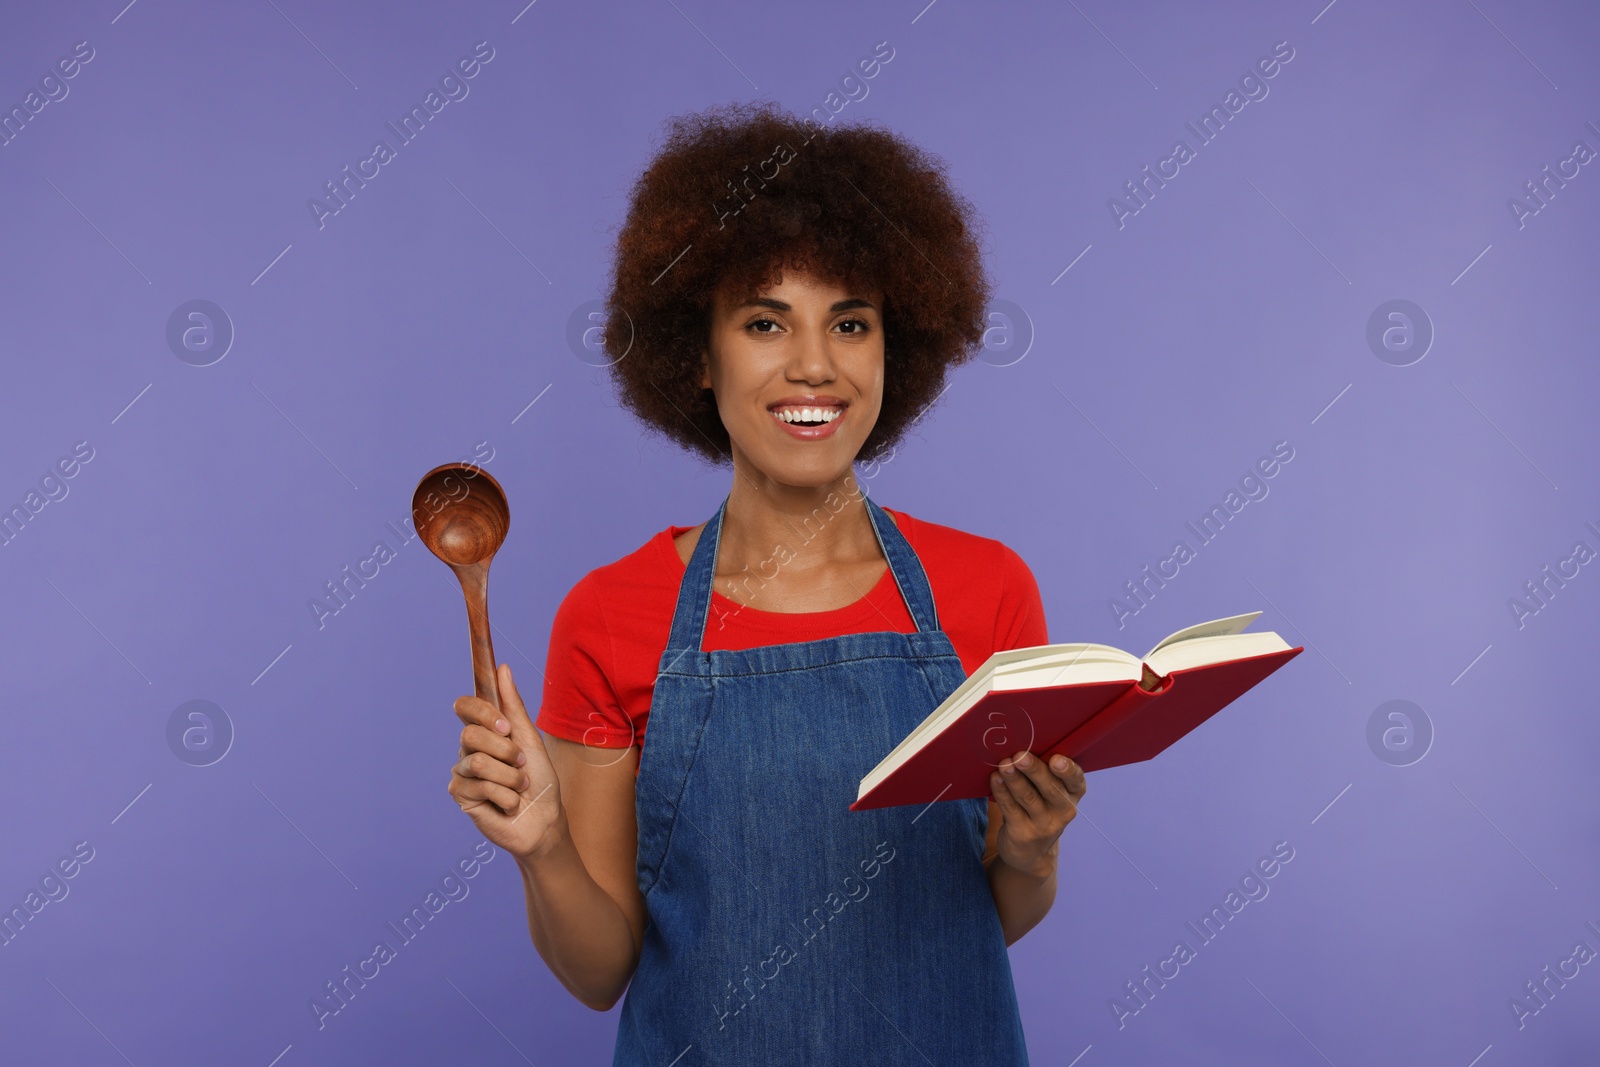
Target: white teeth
808 414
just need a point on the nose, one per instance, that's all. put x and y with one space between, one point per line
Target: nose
812 356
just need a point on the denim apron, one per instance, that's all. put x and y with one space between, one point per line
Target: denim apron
783 927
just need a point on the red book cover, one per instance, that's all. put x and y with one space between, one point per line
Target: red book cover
1100 724
1141 723
956 764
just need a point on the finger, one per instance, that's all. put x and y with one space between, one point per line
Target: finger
471 792
1071 776
1002 796
1025 793
475 738
477 765
1051 788
472 709
511 705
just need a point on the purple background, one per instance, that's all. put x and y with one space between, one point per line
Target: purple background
1230 313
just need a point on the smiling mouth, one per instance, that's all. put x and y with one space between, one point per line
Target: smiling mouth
808 416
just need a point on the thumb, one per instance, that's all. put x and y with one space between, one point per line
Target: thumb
511 705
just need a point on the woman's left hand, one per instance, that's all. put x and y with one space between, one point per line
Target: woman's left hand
1037 802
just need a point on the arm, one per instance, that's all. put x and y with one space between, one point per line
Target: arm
585 914
1030 806
1021 898
565 812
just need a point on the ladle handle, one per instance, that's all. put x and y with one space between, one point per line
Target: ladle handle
475 588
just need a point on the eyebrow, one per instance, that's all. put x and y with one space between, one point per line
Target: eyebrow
779 305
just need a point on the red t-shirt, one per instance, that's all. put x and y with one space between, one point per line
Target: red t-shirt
610 630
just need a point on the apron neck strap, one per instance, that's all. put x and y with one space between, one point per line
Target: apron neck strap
694 594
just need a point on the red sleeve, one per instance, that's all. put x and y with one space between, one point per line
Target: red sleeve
579 702
1019 623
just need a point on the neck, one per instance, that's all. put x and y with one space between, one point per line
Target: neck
796 527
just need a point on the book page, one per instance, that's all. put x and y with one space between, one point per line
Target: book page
1061 657
1231 625
1217 648
1080 669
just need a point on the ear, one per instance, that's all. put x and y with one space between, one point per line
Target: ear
705 369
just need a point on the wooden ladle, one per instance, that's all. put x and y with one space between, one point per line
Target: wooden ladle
461 514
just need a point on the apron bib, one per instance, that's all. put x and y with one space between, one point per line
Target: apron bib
783 927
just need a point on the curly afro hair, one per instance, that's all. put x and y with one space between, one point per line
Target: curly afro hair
737 194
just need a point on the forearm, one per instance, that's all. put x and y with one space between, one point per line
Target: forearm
1022 898
577 927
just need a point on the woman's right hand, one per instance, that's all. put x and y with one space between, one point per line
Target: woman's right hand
504 779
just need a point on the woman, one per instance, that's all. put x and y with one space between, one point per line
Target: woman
779 650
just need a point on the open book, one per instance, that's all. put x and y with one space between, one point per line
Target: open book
1099 705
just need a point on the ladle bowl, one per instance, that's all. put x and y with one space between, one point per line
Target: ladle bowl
461 514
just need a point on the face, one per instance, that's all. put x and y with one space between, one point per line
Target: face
797 370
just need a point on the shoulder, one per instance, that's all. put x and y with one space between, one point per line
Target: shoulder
647 557
617 589
605 641
937 544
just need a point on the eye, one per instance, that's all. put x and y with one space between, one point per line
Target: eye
757 322
862 324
